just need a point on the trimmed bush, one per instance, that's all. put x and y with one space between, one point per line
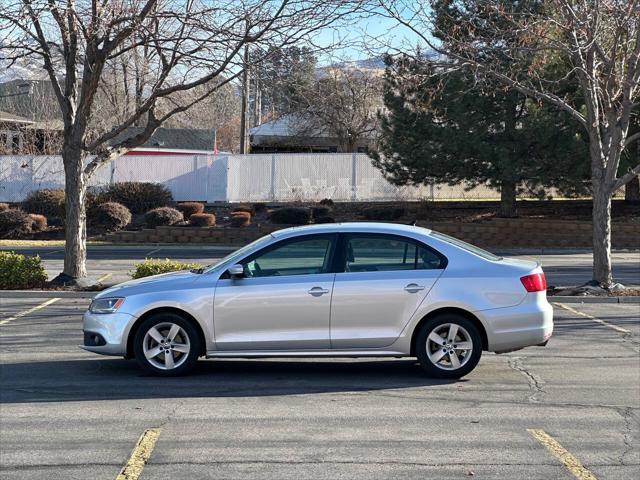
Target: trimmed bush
320 211
290 216
156 266
47 202
4 206
190 208
39 222
242 208
327 202
325 219
202 220
259 208
240 219
162 216
20 271
15 223
383 213
110 216
138 197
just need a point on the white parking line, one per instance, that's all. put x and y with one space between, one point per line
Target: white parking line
590 317
152 252
27 312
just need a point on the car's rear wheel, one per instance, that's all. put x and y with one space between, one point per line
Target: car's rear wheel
448 346
166 344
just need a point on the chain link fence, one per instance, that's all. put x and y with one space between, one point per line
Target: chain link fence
237 178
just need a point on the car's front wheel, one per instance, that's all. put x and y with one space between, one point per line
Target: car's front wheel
448 346
166 344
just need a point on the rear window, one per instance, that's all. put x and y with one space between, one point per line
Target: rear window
466 246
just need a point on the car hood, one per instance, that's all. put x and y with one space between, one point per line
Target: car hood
164 281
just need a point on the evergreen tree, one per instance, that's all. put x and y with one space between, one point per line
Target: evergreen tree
452 128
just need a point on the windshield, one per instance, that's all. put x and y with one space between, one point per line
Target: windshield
466 246
232 258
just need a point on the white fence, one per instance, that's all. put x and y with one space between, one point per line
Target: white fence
235 178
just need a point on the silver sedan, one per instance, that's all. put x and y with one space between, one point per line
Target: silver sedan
336 290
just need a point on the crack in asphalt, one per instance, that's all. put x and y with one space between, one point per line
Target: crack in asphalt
627 435
535 383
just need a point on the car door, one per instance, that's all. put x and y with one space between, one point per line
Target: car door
284 300
385 279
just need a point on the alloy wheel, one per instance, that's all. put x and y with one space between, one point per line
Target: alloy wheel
449 346
166 346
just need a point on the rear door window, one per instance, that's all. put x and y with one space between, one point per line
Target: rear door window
379 253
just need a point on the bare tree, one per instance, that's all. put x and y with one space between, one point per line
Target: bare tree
599 41
343 102
179 45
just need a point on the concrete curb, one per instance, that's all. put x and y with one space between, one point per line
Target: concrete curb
6 294
586 299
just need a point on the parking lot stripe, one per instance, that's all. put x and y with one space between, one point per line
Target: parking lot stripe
597 320
152 252
27 312
104 277
140 455
570 462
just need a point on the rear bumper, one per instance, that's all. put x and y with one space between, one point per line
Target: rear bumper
513 328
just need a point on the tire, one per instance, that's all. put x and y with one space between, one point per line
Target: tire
438 358
172 357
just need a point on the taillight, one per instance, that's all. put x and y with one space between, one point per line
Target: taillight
534 282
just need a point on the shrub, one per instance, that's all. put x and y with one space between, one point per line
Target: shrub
15 223
4 206
110 216
47 202
242 208
190 208
259 208
383 213
20 271
155 266
320 211
162 216
325 219
138 197
290 215
327 202
240 219
202 219
39 222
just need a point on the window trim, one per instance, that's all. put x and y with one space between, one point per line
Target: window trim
340 263
332 237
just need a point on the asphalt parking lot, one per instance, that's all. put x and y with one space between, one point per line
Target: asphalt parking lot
113 263
66 413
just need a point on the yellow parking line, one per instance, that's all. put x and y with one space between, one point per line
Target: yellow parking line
597 320
104 277
570 462
140 455
27 312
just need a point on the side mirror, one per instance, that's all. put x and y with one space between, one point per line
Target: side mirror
236 271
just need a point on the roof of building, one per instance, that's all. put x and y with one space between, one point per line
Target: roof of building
285 126
12 118
173 138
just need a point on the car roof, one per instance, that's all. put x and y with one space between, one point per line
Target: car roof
357 227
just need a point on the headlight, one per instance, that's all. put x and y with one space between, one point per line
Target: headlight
105 305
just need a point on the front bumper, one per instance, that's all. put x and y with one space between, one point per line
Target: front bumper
524 325
106 333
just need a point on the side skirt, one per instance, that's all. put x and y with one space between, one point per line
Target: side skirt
304 353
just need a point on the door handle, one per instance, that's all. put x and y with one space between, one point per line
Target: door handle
317 291
413 288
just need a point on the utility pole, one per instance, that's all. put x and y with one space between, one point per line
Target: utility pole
244 137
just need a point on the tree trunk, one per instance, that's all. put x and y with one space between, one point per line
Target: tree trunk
632 191
508 207
75 215
601 216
